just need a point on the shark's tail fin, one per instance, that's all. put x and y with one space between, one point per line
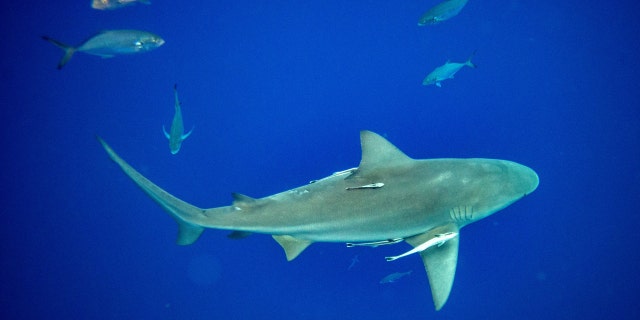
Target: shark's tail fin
184 213
469 63
68 51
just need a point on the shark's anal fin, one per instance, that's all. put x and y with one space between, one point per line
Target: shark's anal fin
439 261
292 246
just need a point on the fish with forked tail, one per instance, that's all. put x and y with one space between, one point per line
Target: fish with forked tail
441 12
110 43
115 4
446 71
176 133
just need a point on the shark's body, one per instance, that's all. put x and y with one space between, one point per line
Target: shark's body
418 200
176 134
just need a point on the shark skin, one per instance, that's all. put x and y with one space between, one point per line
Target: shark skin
417 200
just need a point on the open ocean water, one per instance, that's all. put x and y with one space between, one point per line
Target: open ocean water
277 92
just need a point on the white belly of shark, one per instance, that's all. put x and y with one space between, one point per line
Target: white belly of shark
389 198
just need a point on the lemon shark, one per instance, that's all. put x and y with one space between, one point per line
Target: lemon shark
388 196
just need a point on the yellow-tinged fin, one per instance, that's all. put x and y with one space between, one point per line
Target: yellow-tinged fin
439 261
68 51
292 246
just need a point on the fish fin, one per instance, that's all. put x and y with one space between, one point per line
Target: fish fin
242 201
376 152
187 233
68 50
235 235
179 210
186 135
469 63
292 246
438 84
166 134
439 262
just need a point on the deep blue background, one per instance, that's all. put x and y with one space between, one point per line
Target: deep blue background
278 91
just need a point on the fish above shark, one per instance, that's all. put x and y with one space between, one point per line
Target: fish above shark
176 133
446 71
416 201
110 43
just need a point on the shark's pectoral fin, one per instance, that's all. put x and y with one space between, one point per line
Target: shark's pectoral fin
440 262
292 246
166 134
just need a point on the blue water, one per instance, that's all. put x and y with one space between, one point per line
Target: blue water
277 92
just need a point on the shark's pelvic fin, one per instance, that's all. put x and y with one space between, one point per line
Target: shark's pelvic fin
292 246
439 261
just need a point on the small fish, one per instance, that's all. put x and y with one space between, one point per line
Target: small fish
177 135
109 43
395 277
446 71
441 12
115 4
354 261
438 240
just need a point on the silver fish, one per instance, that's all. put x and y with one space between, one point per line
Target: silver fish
446 71
176 134
441 12
115 4
395 277
109 43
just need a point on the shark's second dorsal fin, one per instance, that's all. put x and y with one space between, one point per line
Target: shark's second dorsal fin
439 261
378 152
242 201
292 246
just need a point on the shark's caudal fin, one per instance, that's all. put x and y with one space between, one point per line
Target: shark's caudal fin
188 233
68 51
439 261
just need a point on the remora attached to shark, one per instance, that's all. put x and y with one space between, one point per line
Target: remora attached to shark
388 196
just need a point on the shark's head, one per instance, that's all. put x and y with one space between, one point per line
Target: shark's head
499 184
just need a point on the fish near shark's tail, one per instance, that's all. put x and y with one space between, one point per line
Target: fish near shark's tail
468 63
68 51
181 211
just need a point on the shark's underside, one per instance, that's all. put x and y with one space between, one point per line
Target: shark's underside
388 196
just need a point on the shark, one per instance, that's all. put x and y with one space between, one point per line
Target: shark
176 134
388 196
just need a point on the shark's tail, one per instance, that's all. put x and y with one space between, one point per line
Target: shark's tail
181 211
68 51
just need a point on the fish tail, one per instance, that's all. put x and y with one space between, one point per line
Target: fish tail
469 63
68 50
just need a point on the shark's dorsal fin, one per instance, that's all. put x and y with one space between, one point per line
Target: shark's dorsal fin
377 152
439 261
292 246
